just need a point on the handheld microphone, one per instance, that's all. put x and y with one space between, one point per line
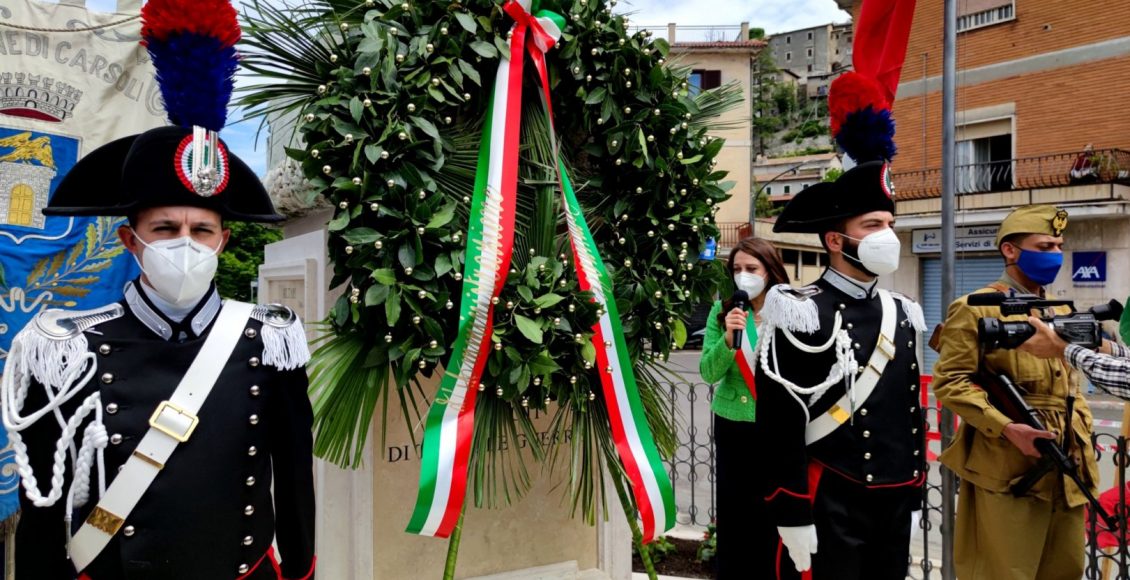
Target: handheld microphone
740 299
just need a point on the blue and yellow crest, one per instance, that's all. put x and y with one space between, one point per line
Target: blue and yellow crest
49 262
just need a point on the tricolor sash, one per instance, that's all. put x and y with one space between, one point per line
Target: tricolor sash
746 356
449 429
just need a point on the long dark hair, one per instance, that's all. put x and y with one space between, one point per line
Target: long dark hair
770 258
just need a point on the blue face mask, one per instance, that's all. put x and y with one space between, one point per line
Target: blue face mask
1040 267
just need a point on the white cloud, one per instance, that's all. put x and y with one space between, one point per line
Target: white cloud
772 15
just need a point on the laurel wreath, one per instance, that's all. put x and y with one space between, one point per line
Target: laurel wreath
389 99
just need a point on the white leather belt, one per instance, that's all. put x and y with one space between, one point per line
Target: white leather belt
172 423
885 349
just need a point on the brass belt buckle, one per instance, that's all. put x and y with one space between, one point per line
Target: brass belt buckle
886 346
107 522
179 435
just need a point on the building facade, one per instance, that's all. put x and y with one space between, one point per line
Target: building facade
715 63
804 51
1041 118
783 177
817 52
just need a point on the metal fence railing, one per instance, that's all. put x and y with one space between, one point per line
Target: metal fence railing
692 467
731 233
1107 554
1044 171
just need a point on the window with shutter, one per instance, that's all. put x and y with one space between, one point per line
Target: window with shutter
711 79
981 13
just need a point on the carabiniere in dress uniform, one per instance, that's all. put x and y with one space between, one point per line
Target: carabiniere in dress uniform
838 394
166 436
209 513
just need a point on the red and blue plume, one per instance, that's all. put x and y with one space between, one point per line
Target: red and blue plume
192 44
859 102
861 118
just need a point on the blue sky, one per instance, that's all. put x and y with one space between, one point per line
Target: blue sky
772 15
240 137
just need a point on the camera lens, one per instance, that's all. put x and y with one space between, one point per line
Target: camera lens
996 333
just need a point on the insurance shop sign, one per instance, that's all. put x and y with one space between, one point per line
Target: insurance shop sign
967 239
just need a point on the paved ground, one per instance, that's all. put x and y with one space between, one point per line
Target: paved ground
693 488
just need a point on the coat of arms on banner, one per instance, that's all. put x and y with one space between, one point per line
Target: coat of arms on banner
49 262
23 94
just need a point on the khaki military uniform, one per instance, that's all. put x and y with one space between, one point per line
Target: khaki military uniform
999 536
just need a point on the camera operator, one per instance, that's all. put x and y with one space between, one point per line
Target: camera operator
999 535
1108 368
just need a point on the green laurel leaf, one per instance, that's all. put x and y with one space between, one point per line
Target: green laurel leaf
529 328
467 22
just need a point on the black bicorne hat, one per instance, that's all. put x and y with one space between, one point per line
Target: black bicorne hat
154 169
862 189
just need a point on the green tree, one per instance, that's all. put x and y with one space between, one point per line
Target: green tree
785 100
764 207
766 120
240 260
833 174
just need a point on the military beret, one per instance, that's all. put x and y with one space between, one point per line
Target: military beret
862 189
1034 219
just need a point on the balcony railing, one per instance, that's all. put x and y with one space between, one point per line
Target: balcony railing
732 233
1062 169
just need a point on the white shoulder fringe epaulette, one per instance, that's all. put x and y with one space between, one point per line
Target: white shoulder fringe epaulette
53 350
786 309
913 312
284 337
790 312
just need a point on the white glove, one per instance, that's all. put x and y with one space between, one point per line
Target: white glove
801 543
915 523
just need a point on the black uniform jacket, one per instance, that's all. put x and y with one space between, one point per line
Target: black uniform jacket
210 513
882 446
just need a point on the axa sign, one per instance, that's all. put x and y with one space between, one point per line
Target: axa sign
1088 267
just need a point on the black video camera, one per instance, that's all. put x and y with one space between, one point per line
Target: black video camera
1080 328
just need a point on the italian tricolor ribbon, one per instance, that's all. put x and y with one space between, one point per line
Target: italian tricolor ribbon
746 356
449 429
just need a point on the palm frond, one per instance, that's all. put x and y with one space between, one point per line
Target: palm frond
590 455
457 176
338 390
503 439
715 103
287 46
341 382
658 406
539 222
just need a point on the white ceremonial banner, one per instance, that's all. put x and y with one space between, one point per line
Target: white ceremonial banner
70 80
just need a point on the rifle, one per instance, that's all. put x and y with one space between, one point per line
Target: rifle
1006 397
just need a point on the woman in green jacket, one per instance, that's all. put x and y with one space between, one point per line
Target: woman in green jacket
747 539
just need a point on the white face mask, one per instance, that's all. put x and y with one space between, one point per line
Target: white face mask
879 252
180 270
751 283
